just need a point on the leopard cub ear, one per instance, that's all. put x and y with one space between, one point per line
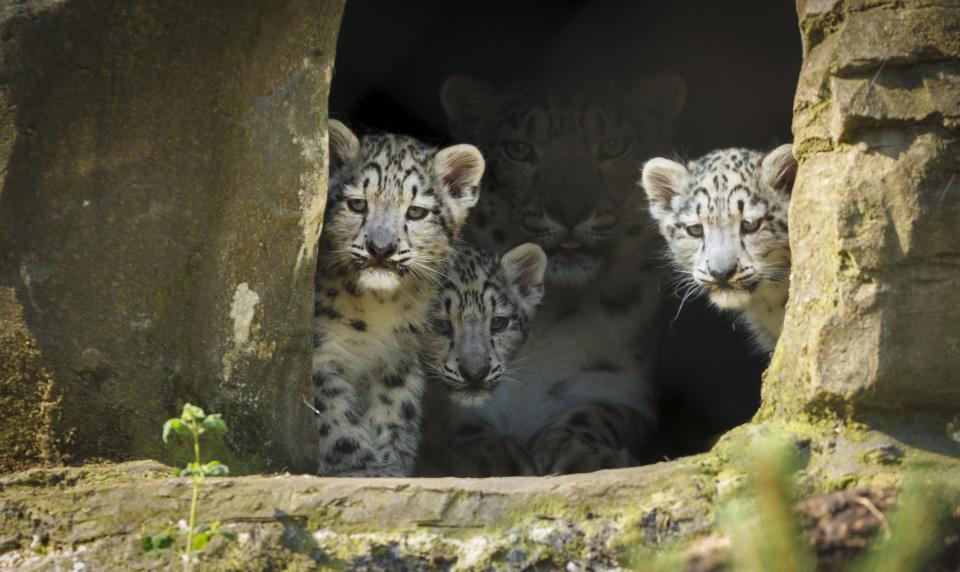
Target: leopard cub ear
778 169
460 169
663 180
524 267
344 145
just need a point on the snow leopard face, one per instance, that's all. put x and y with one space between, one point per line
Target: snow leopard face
482 318
724 217
396 205
562 160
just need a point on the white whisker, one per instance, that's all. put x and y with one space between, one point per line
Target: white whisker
692 290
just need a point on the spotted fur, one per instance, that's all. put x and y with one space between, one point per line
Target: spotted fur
599 435
724 217
394 212
562 160
481 319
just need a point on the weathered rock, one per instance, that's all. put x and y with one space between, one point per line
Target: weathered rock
163 178
872 323
29 409
95 515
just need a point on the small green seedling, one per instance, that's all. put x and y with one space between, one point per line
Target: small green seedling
192 422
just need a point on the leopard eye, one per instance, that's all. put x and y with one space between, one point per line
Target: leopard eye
444 327
749 226
518 151
357 205
416 213
614 147
499 323
695 230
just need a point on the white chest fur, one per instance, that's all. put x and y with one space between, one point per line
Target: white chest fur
374 331
764 315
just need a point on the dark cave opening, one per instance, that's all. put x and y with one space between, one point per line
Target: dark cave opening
740 66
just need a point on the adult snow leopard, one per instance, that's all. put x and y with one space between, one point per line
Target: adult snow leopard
724 217
394 212
561 163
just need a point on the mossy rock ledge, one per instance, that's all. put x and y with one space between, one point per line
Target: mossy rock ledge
96 514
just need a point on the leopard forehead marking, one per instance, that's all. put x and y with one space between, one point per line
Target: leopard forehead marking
473 295
724 188
568 188
726 184
393 174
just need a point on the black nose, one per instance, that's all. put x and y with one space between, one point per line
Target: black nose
723 276
381 251
570 206
475 375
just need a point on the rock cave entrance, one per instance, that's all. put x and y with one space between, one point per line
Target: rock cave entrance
164 149
740 69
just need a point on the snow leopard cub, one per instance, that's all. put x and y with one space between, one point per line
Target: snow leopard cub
480 320
395 209
724 217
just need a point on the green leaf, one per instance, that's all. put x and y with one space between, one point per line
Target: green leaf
205 532
215 423
157 544
174 425
215 469
191 470
191 413
203 535
200 540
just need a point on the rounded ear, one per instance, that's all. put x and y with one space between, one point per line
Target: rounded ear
779 169
465 100
524 267
460 169
663 179
663 94
344 145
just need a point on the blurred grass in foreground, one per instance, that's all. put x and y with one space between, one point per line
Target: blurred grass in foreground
759 530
